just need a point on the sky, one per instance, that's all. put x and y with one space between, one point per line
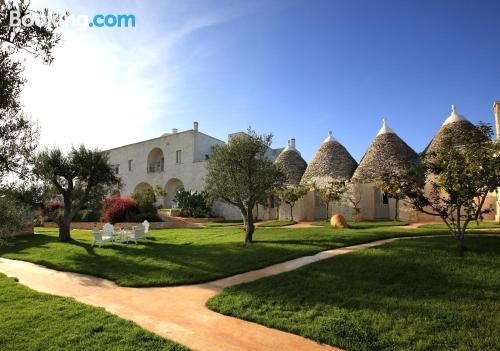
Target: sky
296 68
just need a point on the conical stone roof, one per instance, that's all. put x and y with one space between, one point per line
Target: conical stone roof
331 161
291 163
456 127
387 153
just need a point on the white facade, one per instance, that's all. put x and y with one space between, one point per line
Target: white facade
172 161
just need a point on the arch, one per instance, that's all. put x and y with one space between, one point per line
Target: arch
156 161
172 186
139 188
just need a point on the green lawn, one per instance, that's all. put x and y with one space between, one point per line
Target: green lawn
283 223
365 224
227 223
471 226
184 255
34 321
407 295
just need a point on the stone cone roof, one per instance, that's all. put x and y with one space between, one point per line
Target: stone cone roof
331 161
292 164
387 152
456 127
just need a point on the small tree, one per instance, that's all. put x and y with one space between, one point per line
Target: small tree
241 174
453 182
353 197
79 176
291 194
390 184
333 191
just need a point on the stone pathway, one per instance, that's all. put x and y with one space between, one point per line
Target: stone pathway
178 313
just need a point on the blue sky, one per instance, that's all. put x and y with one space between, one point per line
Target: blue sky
295 68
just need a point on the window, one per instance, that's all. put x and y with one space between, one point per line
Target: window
130 165
178 156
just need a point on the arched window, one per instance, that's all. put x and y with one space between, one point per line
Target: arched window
156 161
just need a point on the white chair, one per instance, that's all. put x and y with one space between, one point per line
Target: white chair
99 237
109 230
136 234
146 227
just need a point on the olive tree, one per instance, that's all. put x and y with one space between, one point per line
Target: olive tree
18 133
291 194
391 185
332 191
453 182
79 176
241 174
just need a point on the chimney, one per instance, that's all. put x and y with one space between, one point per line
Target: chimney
174 130
496 108
195 126
292 143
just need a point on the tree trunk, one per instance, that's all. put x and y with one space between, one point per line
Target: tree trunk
461 246
396 213
65 221
291 211
249 227
64 229
327 210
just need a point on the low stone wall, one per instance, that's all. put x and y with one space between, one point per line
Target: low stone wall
28 230
91 225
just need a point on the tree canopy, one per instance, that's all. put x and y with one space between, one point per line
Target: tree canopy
80 176
453 182
18 134
241 174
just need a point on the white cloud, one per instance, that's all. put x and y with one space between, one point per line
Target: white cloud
107 88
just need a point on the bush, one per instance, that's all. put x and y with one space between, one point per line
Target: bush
193 203
119 209
146 201
12 217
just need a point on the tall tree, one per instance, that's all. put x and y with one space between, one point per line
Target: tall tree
18 134
79 176
453 182
241 174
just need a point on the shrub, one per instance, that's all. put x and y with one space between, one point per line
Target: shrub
12 217
193 203
119 209
145 201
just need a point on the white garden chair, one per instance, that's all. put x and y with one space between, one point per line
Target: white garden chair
146 227
109 230
137 233
99 237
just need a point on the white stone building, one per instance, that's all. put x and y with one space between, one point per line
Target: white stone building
172 161
178 160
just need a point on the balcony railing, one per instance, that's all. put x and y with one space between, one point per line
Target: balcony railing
155 167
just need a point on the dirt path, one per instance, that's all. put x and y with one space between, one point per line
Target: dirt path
178 313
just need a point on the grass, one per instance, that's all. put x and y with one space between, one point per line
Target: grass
34 321
186 255
471 226
276 223
225 223
366 224
407 295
